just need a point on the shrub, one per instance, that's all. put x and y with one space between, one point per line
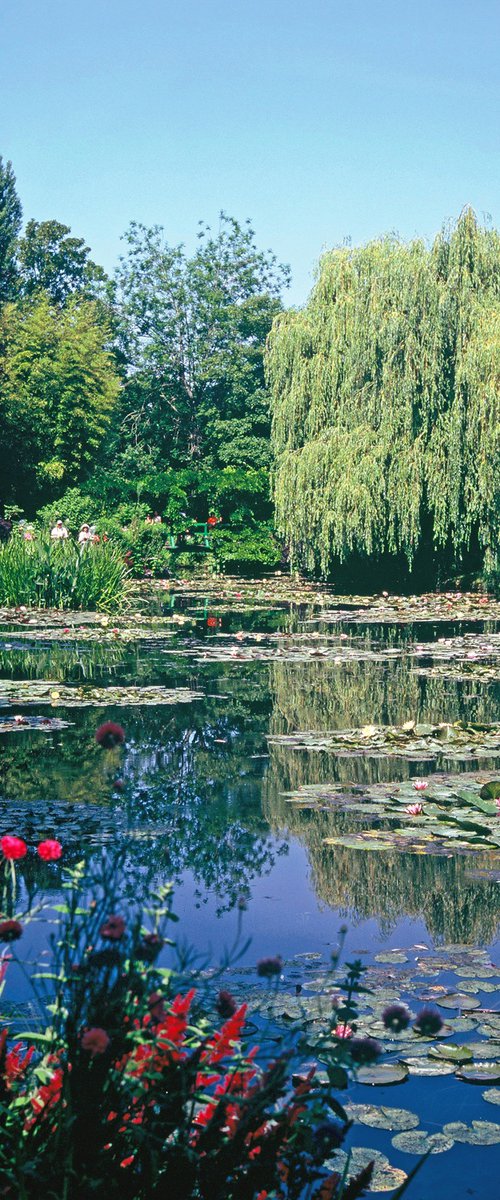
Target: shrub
50 574
74 507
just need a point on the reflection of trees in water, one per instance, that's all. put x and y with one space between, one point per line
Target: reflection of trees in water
192 793
325 695
361 883
389 886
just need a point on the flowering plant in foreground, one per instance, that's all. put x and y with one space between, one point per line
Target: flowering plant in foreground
143 1084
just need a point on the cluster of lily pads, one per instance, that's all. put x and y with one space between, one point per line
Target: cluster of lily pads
44 692
457 983
441 815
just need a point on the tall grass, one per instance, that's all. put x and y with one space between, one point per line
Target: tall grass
49 574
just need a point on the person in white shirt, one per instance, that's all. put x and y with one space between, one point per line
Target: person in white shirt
59 531
84 535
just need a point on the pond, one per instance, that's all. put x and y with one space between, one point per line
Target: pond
273 741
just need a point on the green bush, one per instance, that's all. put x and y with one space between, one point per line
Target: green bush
253 549
73 508
53 574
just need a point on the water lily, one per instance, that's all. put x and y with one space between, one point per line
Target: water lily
414 810
420 785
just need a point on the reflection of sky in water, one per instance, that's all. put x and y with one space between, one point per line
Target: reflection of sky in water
202 804
202 801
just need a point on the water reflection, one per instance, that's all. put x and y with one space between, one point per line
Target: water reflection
198 793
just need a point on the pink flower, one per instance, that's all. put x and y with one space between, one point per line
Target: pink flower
109 735
13 847
414 810
420 785
343 1031
113 929
96 1041
50 850
497 802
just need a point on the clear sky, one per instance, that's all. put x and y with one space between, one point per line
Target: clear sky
319 119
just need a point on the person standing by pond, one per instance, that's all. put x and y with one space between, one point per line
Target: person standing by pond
59 531
85 535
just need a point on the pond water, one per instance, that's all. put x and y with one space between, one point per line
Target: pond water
203 799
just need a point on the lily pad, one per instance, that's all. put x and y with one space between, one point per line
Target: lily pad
424 1066
480 1133
385 1177
458 1000
42 692
381 1117
420 1142
487 1072
43 724
492 1095
383 1074
451 1053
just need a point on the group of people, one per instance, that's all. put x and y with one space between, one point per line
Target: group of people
87 533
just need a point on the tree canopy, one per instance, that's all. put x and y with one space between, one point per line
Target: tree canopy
10 224
58 388
193 331
53 261
385 401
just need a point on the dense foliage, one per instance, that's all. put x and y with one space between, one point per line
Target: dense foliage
145 393
385 403
53 574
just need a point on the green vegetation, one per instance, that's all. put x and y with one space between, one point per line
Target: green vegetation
50 574
385 406
147 394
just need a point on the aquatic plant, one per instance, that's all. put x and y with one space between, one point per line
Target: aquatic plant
48 574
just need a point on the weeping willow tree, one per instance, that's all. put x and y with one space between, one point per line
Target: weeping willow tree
385 402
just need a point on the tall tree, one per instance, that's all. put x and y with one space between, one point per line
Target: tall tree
194 330
53 261
385 397
58 388
10 224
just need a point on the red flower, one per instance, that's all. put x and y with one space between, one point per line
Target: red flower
13 847
50 850
96 1041
10 930
212 521
113 929
127 1161
16 1063
109 735
212 622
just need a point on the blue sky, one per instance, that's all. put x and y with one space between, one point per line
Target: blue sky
319 119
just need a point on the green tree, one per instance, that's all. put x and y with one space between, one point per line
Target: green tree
385 397
10 225
53 261
58 388
193 331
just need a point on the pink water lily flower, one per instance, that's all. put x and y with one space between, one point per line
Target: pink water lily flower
420 785
414 810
